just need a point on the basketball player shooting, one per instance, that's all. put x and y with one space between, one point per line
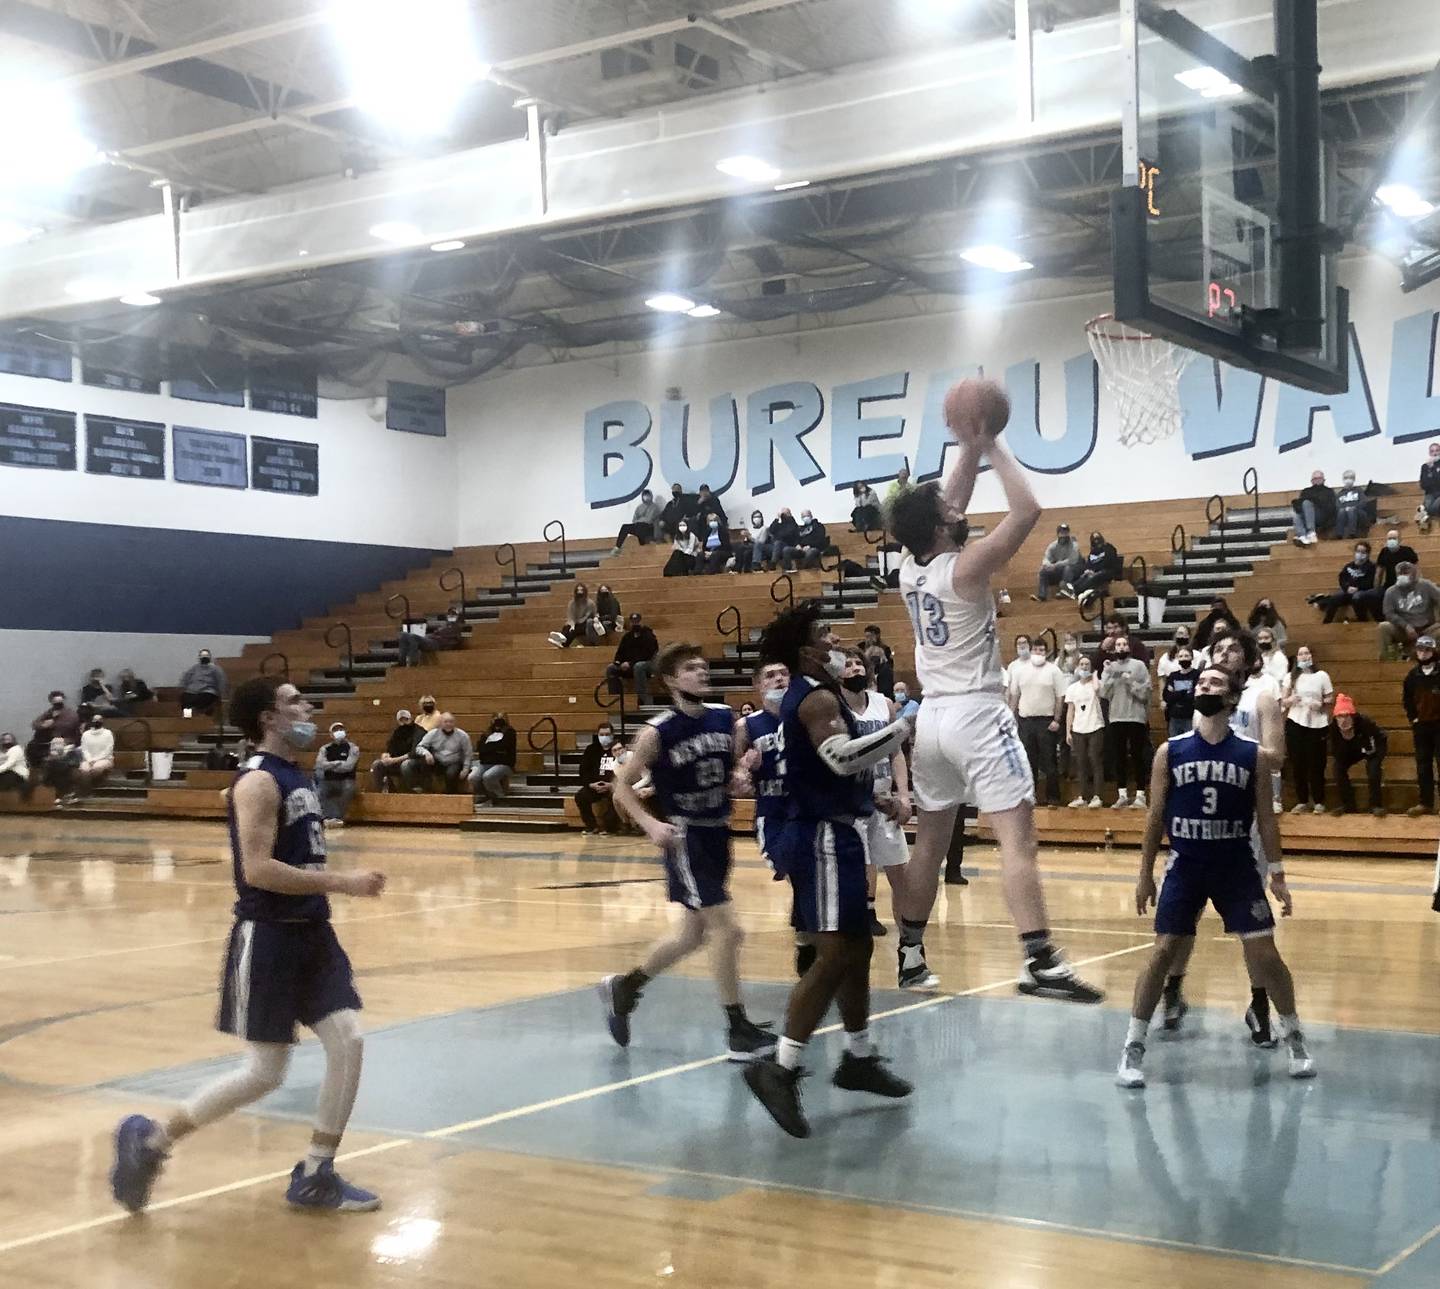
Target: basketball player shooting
967 746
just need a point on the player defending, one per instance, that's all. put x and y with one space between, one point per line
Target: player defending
1207 788
821 849
966 745
283 964
689 753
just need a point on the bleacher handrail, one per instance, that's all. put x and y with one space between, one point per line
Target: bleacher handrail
459 584
1212 518
284 664
508 557
553 744
1178 547
1098 600
1054 643
789 590
401 618
610 700
1250 483
882 548
836 569
564 550
739 628
148 746
347 657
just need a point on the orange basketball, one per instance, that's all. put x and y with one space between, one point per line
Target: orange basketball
977 401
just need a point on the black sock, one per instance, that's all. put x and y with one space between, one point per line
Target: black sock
635 980
912 933
1172 985
1037 945
1259 1000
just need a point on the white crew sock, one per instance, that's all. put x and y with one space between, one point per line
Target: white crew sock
788 1053
316 1156
1289 1025
1137 1031
858 1043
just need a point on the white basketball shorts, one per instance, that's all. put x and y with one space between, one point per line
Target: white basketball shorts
886 846
967 750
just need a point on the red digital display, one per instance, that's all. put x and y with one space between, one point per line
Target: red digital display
1221 301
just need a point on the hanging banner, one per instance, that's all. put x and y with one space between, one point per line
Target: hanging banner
279 465
130 449
209 457
37 437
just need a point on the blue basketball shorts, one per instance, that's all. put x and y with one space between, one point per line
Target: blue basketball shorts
279 974
825 861
697 866
1235 888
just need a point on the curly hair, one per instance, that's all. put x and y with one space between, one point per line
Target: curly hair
917 515
1244 637
790 631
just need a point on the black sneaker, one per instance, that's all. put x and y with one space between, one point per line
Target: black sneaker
619 1000
1176 1009
1055 979
914 972
749 1041
778 1090
1257 1021
804 958
877 927
868 1074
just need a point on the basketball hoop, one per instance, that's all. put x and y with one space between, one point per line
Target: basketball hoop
1143 373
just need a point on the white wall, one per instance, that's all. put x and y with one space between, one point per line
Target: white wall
377 486
521 437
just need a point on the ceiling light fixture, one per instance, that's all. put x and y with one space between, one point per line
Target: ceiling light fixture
1404 201
396 232
996 258
704 311
792 184
452 245
140 299
750 169
50 145
670 302
1208 82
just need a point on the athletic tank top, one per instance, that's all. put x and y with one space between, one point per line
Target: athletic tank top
1210 798
692 772
872 720
299 842
813 791
957 649
762 728
1245 719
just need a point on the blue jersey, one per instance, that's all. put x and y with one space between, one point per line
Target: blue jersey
1210 798
762 728
812 789
299 842
692 771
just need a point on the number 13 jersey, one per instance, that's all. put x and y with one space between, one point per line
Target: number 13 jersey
957 649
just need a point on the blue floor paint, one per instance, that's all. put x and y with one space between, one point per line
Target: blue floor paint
1015 1117
1421 1270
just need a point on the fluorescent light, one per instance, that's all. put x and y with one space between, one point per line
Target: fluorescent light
791 184
995 257
669 302
140 299
704 311
12 232
453 245
397 232
43 143
750 169
1404 201
409 65
1208 82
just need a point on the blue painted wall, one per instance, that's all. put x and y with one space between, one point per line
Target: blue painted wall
62 576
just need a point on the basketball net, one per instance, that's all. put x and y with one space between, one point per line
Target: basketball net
1142 373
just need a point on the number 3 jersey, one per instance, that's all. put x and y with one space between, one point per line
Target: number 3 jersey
299 841
1210 798
957 648
692 771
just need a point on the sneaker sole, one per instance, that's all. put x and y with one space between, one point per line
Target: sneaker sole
747 1058
1033 990
1122 1082
794 1130
1304 1074
922 983
612 1018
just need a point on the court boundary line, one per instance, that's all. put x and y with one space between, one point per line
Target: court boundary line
1409 1251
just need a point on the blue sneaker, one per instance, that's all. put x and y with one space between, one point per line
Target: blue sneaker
619 1000
325 1188
137 1164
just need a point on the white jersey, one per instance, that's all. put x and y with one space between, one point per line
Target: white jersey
874 718
957 648
1245 719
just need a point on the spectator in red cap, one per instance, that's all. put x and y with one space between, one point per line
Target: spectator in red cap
1355 738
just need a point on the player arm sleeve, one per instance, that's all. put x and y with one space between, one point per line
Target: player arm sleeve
851 755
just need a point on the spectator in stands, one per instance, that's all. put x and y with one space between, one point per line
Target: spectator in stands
744 549
1355 512
580 620
399 747
335 766
811 542
1205 628
881 658
1015 666
715 541
1273 662
57 721
1355 738
1069 657
1085 734
680 509
443 754
1390 559
644 524
97 696
203 687
1038 698
1315 510
1421 697
634 657
607 613
1357 592
1116 630
1177 695
707 503
450 634
1093 574
494 763
684 552
1306 700
1060 563
865 514
905 705
14 772
1411 608
597 776
60 768
747 708
899 488
782 532
429 716
1125 685
1430 480
1169 660
1265 615
412 641
131 690
97 755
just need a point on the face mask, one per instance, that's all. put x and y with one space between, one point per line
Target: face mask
684 528
856 684
57 702
96 723
1393 543
714 525
1267 644
606 739
1305 664
300 733
774 696
902 696
805 519
338 735
1184 664
497 725
1407 580
1361 556
1083 673
1038 659
1122 654
1209 704
835 663
1022 651
1096 545
204 659
427 707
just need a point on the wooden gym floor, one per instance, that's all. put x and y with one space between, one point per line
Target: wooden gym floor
515 1145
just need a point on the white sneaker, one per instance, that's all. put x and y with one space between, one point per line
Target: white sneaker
1122 801
1077 804
1095 803
1130 1074
557 639
1300 808
1139 803
1319 809
1301 1065
1278 807
1313 539
614 550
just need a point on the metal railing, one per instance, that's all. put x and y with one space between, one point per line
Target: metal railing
838 569
457 584
1138 575
882 549
1215 514
1250 483
148 746
789 600
401 618
347 656
1052 645
505 555
1178 546
284 664
564 550
738 630
552 744
1097 601
612 699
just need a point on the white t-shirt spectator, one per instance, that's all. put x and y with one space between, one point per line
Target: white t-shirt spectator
1276 665
1084 697
97 745
1311 690
1012 674
1038 686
